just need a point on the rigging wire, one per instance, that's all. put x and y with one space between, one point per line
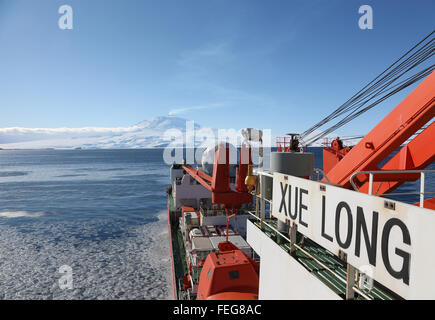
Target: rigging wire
355 114
382 87
361 93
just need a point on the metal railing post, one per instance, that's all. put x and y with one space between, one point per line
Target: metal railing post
292 235
350 282
371 174
262 202
370 183
320 171
422 190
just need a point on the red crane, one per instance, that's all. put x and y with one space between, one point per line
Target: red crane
416 110
231 274
219 183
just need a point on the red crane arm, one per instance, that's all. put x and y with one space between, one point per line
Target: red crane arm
400 124
416 155
219 184
199 176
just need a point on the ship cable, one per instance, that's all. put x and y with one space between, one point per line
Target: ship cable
357 113
385 86
422 53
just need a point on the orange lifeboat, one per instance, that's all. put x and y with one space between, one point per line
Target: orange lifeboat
228 275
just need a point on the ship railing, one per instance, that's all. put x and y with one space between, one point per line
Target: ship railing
261 204
371 174
320 171
212 212
283 144
260 215
294 245
317 173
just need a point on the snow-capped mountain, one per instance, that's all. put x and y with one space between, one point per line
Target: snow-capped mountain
157 132
146 134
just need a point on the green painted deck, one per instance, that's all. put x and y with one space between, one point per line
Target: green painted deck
178 250
171 203
336 281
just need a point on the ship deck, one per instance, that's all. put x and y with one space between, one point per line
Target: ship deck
321 263
179 253
178 250
315 258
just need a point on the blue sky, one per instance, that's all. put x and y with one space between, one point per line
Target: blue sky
277 64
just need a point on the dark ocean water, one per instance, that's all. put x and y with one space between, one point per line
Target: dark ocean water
100 212
71 185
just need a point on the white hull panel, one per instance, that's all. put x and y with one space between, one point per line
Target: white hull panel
281 276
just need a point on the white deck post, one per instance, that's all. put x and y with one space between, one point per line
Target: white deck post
422 190
350 282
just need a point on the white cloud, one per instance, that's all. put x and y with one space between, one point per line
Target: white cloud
31 138
86 130
203 56
182 110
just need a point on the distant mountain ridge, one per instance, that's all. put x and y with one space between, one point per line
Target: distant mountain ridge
145 134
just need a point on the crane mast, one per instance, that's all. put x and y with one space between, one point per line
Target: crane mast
416 110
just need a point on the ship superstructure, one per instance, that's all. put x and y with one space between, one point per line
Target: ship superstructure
204 233
283 233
